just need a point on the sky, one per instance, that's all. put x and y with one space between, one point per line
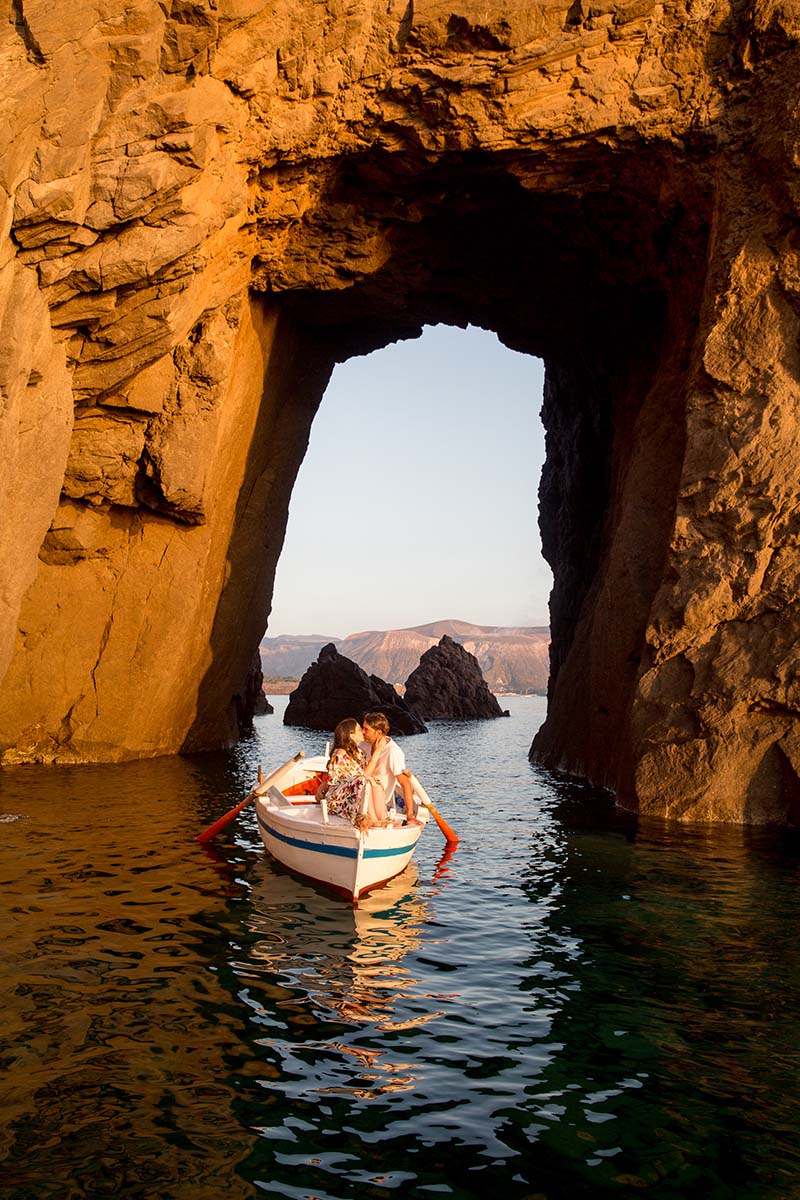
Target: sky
417 499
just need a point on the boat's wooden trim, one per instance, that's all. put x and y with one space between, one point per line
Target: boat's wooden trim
264 785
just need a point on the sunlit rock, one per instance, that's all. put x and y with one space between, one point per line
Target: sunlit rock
206 207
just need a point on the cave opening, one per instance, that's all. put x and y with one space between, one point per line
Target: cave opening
609 192
417 503
597 271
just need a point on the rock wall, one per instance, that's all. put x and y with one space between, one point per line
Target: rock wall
205 206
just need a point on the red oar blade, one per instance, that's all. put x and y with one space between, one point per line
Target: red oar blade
207 834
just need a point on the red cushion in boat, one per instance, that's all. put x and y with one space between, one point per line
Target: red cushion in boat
308 787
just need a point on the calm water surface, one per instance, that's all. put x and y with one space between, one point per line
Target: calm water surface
571 1005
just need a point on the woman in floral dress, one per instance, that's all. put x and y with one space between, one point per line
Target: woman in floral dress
346 779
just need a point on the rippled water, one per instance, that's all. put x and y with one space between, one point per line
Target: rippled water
570 1005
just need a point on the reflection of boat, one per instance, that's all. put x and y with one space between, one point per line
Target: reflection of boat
347 961
305 924
300 834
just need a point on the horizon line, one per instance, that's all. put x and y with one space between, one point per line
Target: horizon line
404 629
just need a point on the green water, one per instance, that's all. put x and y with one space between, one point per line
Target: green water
570 1005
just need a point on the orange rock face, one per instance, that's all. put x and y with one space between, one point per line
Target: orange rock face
206 206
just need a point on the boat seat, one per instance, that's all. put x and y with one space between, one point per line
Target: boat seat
276 797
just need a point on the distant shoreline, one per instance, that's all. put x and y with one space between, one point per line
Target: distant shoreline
279 687
285 687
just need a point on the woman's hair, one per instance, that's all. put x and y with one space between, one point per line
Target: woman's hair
377 721
343 738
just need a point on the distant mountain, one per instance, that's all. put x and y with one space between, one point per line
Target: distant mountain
519 663
513 659
463 629
290 654
392 654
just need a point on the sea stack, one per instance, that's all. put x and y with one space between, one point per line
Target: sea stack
448 686
334 687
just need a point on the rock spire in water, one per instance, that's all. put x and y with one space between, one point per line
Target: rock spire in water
334 687
448 685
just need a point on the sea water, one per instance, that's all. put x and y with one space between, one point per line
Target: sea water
572 1004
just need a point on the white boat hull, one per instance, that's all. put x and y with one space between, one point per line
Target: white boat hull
333 852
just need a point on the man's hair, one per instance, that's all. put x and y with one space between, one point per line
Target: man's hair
376 721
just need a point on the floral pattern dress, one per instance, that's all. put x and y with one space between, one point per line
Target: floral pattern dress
346 783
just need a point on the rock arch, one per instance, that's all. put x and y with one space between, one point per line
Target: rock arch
239 196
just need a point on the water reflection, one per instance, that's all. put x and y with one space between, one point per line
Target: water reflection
329 966
113 1029
443 867
674 940
571 1005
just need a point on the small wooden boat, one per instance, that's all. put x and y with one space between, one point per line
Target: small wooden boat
301 835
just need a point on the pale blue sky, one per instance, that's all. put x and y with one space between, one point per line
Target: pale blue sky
417 498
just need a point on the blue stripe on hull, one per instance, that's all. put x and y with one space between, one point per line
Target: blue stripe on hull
388 853
340 851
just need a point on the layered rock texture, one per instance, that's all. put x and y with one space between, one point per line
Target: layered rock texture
205 206
334 688
448 685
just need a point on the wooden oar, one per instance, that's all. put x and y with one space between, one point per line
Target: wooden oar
419 790
263 786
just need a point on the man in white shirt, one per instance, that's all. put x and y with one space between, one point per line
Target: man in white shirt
387 764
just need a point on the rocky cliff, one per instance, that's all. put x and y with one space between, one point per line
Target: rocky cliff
448 686
206 205
253 702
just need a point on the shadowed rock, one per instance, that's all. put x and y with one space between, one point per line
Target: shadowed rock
239 196
334 687
448 686
255 694
252 702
